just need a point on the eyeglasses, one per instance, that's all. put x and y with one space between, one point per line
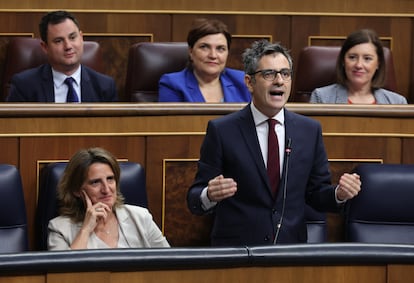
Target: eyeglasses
270 75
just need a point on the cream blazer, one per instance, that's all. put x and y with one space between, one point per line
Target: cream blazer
136 225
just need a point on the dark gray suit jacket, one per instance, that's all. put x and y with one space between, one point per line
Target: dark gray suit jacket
336 93
36 85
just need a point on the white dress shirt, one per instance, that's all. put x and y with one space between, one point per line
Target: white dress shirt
61 89
262 131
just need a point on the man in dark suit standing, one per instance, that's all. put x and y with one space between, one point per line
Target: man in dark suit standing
63 78
232 179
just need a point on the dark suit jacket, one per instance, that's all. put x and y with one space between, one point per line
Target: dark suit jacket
183 87
250 217
36 85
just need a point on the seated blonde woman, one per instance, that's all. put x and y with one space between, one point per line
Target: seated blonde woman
92 212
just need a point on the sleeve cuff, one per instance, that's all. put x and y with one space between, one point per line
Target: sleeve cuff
206 204
336 198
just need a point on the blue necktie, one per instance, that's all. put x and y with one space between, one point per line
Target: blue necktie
71 96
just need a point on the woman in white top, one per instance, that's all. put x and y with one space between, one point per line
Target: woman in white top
92 212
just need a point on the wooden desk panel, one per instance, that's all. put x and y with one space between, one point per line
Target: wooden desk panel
296 274
399 273
292 274
155 134
307 263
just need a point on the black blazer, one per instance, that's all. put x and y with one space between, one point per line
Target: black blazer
36 85
250 217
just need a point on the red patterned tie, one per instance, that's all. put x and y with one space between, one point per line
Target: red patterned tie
273 165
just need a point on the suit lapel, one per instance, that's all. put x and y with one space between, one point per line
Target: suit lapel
341 94
87 91
227 85
126 224
289 126
291 132
248 131
47 84
192 85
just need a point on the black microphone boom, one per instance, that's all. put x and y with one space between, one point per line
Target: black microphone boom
288 150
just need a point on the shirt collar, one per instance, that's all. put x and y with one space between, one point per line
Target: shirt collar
260 118
59 78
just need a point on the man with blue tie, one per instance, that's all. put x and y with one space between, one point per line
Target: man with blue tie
243 151
63 78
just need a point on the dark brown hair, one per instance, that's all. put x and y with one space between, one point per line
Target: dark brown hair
202 27
359 37
54 18
74 176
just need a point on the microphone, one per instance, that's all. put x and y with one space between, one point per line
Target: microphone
288 150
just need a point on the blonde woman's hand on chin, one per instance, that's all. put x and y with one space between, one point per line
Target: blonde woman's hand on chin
95 213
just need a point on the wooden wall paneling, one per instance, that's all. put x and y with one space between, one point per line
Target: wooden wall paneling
158 24
366 125
392 273
160 148
238 46
259 6
23 279
127 22
317 274
293 274
111 125
397 273
359 147
9 150
277 26
247 29
342 26
178 175
400 31
338 41
411 62
20 22
90 22
79 277
115 48
38 150
407 149
123 30
301 28
365 138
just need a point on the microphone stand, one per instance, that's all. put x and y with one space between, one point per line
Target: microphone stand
288 150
